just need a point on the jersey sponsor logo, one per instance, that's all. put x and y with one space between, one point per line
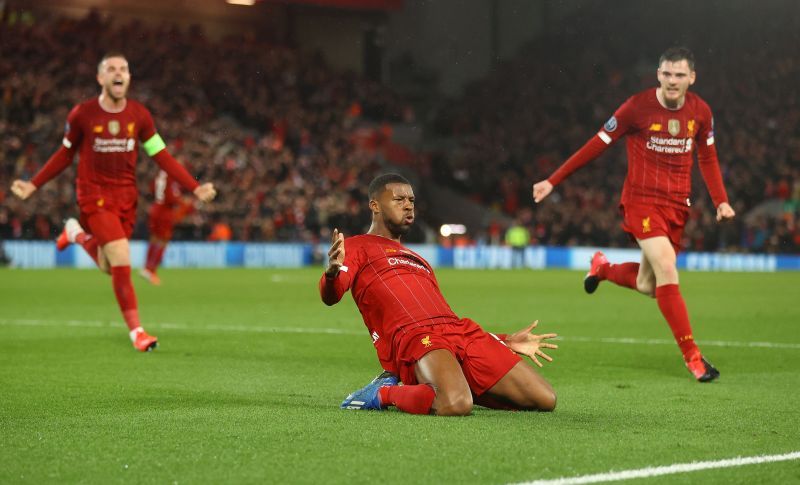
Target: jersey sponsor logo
674 127
131 129
655 127
611 124
114 145
646 225
396 261
113 127
661 144
690 128
375 336
426 341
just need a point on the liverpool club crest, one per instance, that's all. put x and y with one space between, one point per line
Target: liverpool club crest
113 127
673 126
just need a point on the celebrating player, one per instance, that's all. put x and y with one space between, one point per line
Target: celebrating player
445 363
106 132
168 208
664 126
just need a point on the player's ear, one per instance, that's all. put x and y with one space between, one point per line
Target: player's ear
692 77
374 206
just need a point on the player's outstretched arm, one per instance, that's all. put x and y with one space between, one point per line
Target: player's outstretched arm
541 190
725 211
23 189
205 192
524 342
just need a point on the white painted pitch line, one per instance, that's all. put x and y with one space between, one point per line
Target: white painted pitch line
657 471
340 331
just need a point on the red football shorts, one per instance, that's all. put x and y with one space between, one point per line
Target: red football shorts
646 221
483 358
161 221
109 217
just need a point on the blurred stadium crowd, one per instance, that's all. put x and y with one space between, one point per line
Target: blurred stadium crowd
534 111
291 143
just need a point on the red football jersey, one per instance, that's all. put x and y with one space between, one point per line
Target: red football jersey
660 143
108 145
392 286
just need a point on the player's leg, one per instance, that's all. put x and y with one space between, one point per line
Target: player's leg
660 253
111 230
155 253
440 369
624 274
522 388
74 233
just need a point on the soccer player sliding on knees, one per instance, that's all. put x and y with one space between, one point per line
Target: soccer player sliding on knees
664 126
446 363
106 132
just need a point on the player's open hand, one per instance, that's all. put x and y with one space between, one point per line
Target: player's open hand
205 192
335 253
725 211
22 189
541 190
526 343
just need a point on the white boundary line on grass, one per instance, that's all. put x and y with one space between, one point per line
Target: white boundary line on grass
648 472
341 331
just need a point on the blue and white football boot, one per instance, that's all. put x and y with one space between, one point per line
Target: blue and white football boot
367 397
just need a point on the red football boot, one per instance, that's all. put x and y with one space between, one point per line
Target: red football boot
71 230
592 279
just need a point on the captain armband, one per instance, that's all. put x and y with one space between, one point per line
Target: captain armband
154 145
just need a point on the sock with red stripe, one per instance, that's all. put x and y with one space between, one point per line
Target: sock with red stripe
672 306
416 399
620 274
126 297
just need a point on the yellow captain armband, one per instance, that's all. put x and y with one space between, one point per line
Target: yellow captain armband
154 145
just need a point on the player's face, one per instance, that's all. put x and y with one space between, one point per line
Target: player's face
396 205
675 79
114 77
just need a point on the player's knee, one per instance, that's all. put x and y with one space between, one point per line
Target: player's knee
547 401
646 287
454 405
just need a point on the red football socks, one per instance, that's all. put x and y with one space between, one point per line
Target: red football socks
416 399
89 244
155 253
126 297
620 274
672 306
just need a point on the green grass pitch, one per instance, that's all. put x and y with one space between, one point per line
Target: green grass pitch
246 384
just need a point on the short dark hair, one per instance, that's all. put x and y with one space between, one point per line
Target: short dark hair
677 53
380 182
109 55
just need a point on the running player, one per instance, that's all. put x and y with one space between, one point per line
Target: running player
106 133
665 126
